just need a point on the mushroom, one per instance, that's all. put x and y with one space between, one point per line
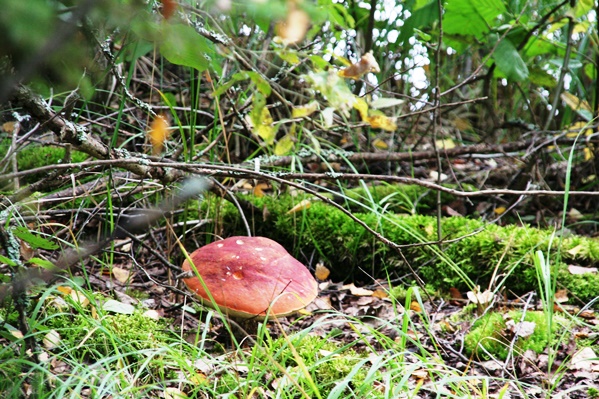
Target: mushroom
250 277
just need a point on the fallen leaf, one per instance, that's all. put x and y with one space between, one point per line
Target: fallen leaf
51 340
561 296
520 329
303 205
415 306
118 307
585 359
500 210
379 144
581 270
9 127
121 275
79 297
380 293
445 144
321 272
357 291
259 188
576 250
152 314
285 145
174 393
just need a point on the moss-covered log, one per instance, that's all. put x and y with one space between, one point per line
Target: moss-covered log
322 232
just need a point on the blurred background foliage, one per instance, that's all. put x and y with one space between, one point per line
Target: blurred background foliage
501 69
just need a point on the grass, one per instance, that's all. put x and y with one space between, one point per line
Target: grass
335 356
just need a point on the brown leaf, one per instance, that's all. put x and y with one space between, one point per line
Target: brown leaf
380 293
322 272
455 293
415 306
121 275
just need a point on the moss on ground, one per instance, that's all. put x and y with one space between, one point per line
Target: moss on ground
324 232
489 335
35 156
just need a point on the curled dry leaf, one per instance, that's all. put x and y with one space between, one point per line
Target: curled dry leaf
366 64
482 298
158 134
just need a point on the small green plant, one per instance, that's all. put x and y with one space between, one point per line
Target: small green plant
593 393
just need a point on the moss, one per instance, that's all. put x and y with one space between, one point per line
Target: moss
325 233
105 334
35 156
489 333
327 361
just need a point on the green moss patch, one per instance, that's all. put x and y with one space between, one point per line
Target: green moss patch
353 253
493 334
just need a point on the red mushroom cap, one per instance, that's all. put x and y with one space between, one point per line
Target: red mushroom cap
250 277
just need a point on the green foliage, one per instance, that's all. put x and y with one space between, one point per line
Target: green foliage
471 17
182 45
490 333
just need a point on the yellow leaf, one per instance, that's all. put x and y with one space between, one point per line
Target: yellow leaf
366 64
261 120
304 204
574 102
574 129
158 134
381 122
380 144
574 251
285 145
8 127
362 107
588 154
462 124
259 189
304 110
415 306
499 210
289 56
446 144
